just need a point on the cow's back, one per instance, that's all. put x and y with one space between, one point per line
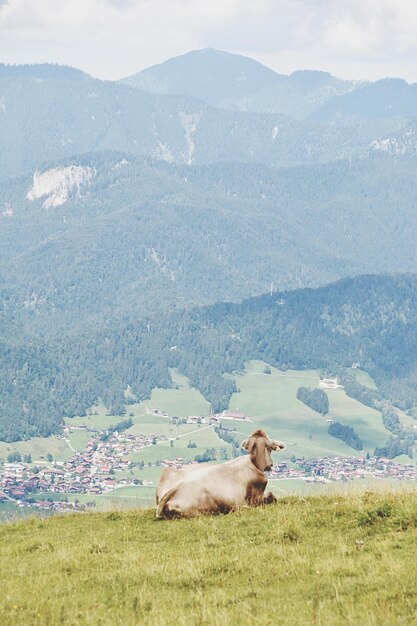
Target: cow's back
209 489
172 477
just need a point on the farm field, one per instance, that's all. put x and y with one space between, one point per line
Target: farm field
180 401
39 448
98 418
315 560
270 399
78 439
366 421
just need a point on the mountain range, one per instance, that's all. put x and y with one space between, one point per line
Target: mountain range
51 112
236 82
111 233
207 178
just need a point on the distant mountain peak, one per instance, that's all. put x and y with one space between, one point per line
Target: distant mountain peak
208 74
233 81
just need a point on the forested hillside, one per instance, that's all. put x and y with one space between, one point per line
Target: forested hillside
371 320
110 234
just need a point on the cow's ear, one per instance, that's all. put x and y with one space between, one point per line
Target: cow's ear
278 445
249 444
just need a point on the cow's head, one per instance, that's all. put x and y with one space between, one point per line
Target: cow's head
260 447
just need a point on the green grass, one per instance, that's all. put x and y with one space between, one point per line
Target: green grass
39 448
120 498
78 439
203 436
9 510
363 378
97 418
140 496
183 401
140 493
297 486
366 421
270 399
329 561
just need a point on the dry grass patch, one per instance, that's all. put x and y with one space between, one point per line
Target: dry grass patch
325 561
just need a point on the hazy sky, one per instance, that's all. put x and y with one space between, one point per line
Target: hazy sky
115 38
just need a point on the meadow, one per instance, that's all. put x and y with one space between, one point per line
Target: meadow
320 560
268 399
271 400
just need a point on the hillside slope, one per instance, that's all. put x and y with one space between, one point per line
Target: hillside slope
52 113
367 319
386 98
110 234
233 81
301 561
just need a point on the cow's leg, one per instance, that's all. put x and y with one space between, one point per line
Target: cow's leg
269 498
164 507
255 493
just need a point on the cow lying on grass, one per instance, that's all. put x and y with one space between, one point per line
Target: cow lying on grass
218 488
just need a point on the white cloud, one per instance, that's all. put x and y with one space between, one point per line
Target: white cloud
113 38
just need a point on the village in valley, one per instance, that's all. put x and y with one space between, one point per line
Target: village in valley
101 459
98 469
103 466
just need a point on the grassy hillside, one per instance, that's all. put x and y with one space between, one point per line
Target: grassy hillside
271 400
302 561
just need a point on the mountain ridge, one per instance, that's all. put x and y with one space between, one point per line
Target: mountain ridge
234 81
114 224
52 112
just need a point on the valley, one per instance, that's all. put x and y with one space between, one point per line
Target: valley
103 461
174 249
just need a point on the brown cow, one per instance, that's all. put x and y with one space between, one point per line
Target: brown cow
218 488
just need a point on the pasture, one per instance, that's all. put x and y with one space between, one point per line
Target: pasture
271 401
181 400
97 418
39 448
363 378
322 560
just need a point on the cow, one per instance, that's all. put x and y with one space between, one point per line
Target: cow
219 488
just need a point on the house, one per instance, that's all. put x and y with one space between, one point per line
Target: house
235 415
329 383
